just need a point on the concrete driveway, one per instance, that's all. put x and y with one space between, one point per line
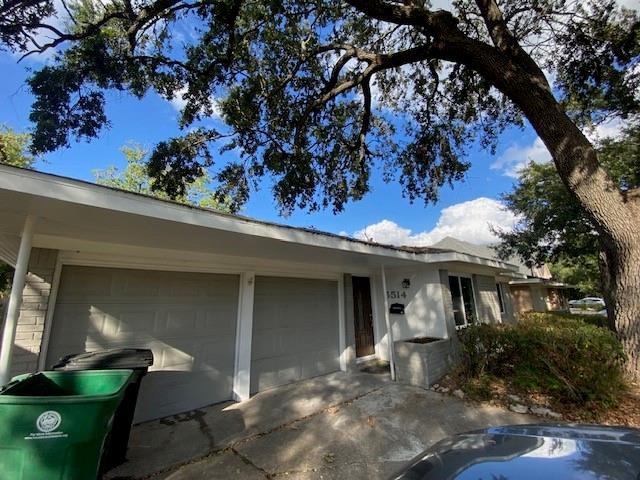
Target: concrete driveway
357 426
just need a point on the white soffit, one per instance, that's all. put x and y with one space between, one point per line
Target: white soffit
9 246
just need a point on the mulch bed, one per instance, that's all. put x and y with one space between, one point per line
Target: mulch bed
626 413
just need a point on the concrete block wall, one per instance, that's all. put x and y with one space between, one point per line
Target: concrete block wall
35 302
423 364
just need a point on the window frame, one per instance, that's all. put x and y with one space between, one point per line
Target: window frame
460 275
500 289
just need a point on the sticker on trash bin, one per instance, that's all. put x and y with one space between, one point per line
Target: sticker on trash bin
48 421
47 424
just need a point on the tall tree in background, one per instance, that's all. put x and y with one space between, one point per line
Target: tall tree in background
315 93
582 272
15 148
135 178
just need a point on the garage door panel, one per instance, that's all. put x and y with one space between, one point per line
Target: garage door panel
79 284
295 330
270 345
174 320
312 341
214 352
139 285
130 322
175 359
319 362
271 373
188 320
182 320
163 391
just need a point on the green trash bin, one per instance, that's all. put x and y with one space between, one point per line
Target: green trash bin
53 425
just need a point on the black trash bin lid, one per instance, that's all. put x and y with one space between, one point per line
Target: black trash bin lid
107 359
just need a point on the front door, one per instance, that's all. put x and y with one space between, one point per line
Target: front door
362 316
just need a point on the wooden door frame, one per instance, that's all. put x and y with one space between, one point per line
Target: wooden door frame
372 310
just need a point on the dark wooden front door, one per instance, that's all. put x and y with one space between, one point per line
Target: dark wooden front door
362 316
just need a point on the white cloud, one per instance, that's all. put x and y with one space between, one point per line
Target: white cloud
179 102
442 5
516 157
631 4
469 221
610 129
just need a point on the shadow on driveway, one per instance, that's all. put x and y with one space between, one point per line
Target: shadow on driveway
338 426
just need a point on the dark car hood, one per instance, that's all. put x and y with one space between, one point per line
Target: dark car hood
523 452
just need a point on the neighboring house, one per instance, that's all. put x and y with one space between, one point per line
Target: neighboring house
230 306
521 289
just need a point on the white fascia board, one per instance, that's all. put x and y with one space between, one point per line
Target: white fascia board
83 193
526 281
464 258
540 281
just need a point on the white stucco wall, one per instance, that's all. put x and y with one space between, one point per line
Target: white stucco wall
424 310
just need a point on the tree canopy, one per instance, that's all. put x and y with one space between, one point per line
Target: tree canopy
15 148
135 178
581 272
315 94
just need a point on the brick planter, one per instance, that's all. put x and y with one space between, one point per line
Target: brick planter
422 362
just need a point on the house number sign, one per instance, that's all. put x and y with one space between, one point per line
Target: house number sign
396 294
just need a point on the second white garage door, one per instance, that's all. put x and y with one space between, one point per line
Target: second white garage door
187 319
295 331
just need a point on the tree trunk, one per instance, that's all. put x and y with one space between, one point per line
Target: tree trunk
621 279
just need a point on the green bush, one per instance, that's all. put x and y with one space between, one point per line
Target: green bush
597 320
572 361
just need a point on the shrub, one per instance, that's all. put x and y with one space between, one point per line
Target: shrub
597 320
572 361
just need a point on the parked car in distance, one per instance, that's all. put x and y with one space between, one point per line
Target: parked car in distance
588 306
590 303
544 451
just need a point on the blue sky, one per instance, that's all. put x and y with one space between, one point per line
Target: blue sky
152 119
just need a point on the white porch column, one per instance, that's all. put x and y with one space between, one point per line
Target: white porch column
387 319
244 330
342 326
15 300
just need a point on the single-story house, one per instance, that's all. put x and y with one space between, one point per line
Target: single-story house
521 289
229 305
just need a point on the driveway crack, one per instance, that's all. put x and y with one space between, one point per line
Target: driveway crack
246 460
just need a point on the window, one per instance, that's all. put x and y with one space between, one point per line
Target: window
456 299
500 299
462 298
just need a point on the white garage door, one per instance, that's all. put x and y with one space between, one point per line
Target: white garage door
295 331
187 319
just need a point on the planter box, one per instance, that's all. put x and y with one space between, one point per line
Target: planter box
423 361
